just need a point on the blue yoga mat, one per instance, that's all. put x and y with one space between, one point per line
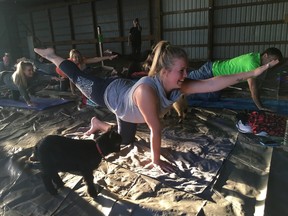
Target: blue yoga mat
41 103
279 106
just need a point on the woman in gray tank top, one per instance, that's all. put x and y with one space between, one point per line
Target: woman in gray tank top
149 98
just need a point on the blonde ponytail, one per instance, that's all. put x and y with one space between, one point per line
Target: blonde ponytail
163 57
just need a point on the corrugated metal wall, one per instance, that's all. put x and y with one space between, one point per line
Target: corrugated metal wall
107 19
9 36
41 27
69 23
136 9
25 29
237 27
249 26
3 36
61 30
185 23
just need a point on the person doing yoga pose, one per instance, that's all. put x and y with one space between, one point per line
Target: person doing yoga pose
147 100
239 64
25 81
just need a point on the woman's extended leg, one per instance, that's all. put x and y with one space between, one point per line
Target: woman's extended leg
69 68
50 55
92 87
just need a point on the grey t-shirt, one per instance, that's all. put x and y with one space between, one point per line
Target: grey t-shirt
119 100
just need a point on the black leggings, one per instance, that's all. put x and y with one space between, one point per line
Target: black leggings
93 88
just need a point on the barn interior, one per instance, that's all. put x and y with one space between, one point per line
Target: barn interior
223 171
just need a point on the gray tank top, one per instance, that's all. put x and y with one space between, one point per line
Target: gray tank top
119 100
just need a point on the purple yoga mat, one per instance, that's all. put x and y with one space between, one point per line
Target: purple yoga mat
41 103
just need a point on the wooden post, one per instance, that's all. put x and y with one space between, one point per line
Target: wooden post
71 25
159 33
120 23
95 23
100 42
210 30
30 43
150 13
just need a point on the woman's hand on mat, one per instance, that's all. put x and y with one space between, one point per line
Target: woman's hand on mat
163 166
31 104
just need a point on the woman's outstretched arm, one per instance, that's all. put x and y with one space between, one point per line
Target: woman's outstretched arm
99 59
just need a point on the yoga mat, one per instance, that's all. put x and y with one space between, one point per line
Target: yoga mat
279 106
41 103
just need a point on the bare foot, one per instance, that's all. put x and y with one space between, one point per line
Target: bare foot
97 125
50 55
45 53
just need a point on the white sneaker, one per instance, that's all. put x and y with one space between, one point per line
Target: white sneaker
243 128
262 133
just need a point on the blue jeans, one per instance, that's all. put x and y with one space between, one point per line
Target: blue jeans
204 72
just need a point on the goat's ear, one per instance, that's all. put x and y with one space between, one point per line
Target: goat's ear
110 134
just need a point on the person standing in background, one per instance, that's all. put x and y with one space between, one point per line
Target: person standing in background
134 38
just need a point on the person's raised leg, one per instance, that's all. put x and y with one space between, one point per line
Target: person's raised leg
50 55
98 125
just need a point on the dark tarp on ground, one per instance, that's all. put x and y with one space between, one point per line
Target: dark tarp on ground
238 189
279 106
